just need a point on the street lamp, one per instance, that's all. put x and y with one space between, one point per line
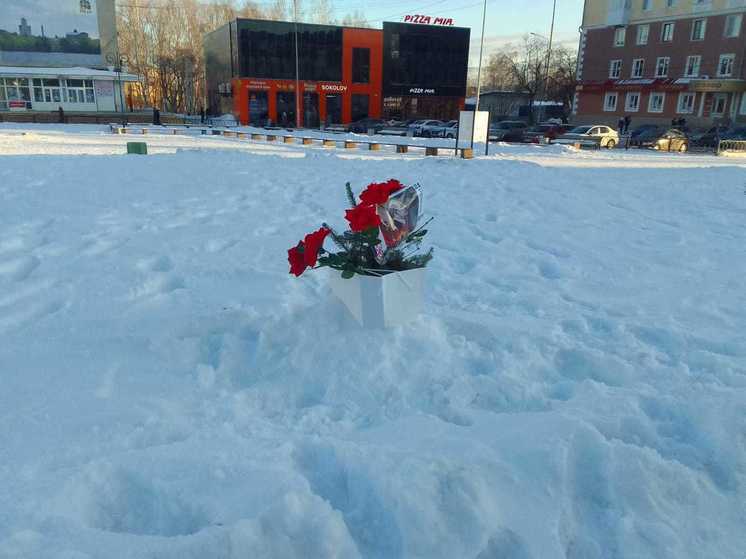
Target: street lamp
118 61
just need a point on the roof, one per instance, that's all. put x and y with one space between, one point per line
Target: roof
75 72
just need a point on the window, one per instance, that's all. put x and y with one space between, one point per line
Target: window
725 65
698 29
619 35
615 68
632 102
642 34
667 32
692 66
656 102
718 103
646 5
17 89
686 103
360 65
733 25
661 66
80 91
638 67
743 103
671 3
359 107
610 100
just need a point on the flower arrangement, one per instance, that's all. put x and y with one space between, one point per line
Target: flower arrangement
383 236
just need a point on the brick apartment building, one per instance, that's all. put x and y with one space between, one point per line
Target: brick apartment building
657 60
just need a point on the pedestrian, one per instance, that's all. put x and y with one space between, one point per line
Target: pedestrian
61 114
156 117
620 125
202 116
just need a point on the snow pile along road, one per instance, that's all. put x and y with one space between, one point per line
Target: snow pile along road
575 389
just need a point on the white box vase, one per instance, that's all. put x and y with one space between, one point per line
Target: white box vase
381 302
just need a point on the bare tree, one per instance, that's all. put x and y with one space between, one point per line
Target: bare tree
355 19
322 11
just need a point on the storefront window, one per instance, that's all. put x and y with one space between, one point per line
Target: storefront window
258 108
18 89
361 65
80 91
286 108
359 107
333 109
311 110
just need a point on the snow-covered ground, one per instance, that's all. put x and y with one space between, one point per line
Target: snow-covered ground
575 389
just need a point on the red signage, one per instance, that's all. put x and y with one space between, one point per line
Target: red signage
428 20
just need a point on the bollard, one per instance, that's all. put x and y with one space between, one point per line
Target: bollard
307 141
288 139
330 144
271 138
350 145
257 136
402 149
467 153
374 147
431 151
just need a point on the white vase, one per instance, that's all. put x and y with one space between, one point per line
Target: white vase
381 302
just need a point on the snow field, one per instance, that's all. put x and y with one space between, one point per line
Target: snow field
576 388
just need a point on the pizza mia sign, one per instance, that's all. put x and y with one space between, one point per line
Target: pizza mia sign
417 18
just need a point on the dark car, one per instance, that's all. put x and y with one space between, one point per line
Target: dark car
672 139
645 135
507 131
542 133
710 137
362 126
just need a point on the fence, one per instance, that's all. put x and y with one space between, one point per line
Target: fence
731 147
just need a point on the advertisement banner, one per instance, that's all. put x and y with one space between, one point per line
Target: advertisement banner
55 32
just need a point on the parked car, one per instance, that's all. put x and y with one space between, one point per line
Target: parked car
545 132
449 129
709 137
671 140
396 128
589 136
421 127
362 126
735 134
432 129
645 135
507 131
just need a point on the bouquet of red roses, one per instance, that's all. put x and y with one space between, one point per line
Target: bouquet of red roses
383 235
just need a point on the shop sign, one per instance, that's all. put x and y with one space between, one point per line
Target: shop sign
422 90
333 87
428 20
15 105
104 88
724 86
258 85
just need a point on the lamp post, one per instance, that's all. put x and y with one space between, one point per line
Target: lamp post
118 61
297 66
479 79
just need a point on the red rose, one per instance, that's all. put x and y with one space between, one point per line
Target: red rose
312 244
297 260
378 193
362 218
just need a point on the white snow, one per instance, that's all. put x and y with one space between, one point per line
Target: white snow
575 389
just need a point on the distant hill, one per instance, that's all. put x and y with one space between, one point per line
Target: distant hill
33 43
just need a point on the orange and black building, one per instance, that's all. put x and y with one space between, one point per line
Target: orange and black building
344 73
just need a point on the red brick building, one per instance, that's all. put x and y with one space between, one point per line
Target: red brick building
658 60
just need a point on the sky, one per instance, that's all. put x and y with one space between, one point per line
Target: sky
507 21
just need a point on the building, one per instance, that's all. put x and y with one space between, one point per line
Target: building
76 72
73 89
659 60
24 30
344 73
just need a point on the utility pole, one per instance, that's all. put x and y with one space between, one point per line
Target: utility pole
297 67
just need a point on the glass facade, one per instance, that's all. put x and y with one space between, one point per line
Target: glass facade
333 109
266 49
424 60
258 108
360 65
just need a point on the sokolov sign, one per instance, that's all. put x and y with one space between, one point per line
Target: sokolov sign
428 20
